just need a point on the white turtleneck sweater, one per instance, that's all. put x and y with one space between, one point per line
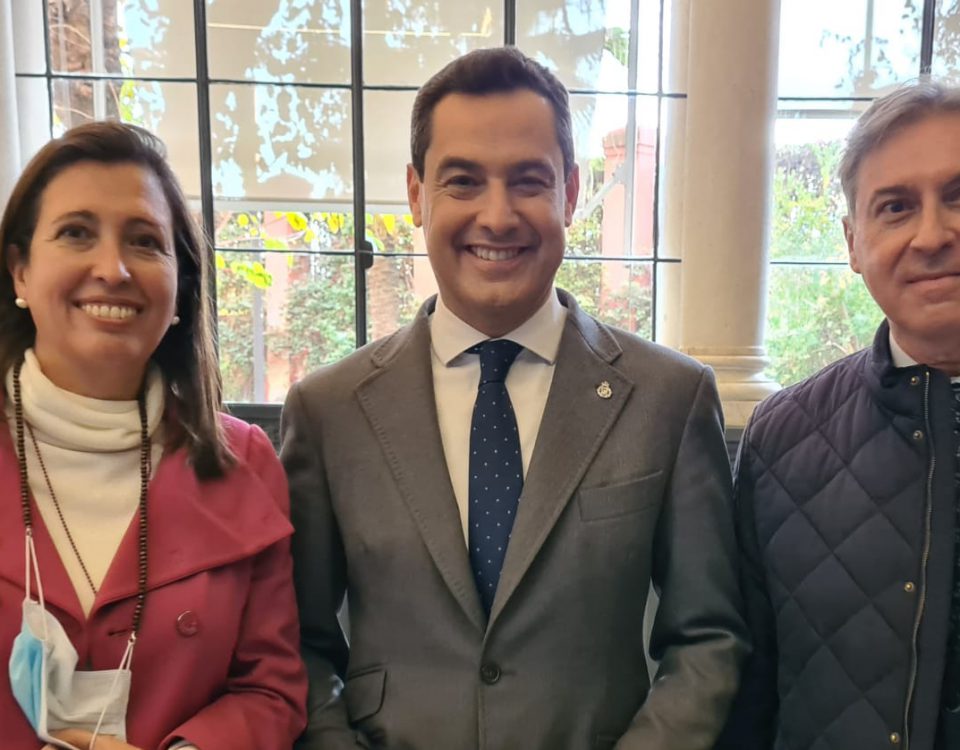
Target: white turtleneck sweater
91 449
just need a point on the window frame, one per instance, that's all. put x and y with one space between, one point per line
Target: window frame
363 252
795 105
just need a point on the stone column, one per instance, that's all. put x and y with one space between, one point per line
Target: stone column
9 126
731 106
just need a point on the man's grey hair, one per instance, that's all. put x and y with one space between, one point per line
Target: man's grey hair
887 116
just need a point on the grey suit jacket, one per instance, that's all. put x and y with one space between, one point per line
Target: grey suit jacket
620 491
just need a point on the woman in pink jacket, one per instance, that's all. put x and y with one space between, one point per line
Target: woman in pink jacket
146 599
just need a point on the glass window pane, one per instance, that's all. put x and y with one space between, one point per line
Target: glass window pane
275 40
849 48
281 229
394 232
617 292
815 315
123 37
808 203
386 147
600 137
284 143
587 44
946 39
167 109
406 43
396 287
281 315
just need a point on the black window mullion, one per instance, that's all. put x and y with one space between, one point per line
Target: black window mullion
205 136
927 34
363 258
48 60
509 22
630 142
298 251
661 103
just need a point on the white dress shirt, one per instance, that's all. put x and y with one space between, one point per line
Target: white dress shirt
902 359
456 377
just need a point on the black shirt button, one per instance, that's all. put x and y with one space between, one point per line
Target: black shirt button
490 673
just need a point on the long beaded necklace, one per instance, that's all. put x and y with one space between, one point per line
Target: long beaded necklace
27 511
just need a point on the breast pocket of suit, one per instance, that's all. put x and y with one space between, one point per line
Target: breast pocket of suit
619 499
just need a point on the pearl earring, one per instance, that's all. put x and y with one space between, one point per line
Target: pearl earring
175 320
21 303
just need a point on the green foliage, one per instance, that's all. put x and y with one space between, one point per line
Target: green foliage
617 43
235 329
630 307
818 314
815 314
808 204
239 279
317 309
319 313
582 279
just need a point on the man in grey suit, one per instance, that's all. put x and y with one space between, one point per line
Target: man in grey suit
496 485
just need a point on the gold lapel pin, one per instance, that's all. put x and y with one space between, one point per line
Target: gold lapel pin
604 390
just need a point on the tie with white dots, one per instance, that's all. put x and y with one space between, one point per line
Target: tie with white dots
496 467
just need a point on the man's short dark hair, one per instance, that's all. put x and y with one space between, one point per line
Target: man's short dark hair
490 71
887 116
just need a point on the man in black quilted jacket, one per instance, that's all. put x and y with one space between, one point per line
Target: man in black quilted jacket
847 483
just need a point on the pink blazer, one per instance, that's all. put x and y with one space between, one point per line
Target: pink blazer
217 659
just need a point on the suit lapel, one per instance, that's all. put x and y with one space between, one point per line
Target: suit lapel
576 420
398 401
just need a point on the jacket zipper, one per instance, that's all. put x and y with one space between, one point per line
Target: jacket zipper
924 558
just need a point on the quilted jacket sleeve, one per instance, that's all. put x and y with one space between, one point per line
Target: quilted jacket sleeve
753 718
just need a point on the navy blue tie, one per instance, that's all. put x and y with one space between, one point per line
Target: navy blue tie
496 467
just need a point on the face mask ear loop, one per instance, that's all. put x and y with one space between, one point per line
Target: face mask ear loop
124 666
32 569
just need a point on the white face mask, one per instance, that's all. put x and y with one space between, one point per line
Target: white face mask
51 691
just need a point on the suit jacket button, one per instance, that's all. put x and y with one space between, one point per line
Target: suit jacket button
188 624
490 673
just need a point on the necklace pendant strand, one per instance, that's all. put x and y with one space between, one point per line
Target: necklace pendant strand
21 427
56 504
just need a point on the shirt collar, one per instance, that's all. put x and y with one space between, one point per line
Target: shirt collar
902 359
540 333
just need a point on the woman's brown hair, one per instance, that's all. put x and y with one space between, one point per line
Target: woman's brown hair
186 355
